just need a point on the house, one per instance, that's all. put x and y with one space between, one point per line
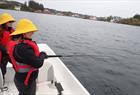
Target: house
75 15
115 19
17 8
93 18
46 11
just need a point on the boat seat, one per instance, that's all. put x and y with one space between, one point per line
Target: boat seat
46 72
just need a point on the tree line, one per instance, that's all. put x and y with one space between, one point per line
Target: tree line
32 6
135 20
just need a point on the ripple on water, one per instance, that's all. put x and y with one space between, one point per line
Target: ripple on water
113 72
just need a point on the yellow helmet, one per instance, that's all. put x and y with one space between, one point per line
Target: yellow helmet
5 17
24 26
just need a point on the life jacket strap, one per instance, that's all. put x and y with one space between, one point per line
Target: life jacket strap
28 76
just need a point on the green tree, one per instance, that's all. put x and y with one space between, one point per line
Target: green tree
24 7
41 7
137 16
109 18
35 6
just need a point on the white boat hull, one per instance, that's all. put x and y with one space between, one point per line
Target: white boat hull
53 70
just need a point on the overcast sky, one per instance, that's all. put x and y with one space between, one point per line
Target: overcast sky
123 8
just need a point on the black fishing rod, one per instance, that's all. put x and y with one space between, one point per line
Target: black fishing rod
96 56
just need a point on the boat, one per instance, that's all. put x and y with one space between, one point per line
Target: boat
54 78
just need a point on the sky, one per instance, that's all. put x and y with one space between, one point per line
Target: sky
122 8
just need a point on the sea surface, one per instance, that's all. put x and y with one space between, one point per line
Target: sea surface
114 65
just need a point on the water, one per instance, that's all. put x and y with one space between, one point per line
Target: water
115 67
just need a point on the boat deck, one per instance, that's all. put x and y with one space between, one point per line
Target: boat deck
53 78
45 88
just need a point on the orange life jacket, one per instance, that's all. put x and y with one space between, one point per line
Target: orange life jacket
4 41
5 38
20 67
0 56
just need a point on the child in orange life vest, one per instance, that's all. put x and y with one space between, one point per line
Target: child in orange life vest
2 49
26 58
6 21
